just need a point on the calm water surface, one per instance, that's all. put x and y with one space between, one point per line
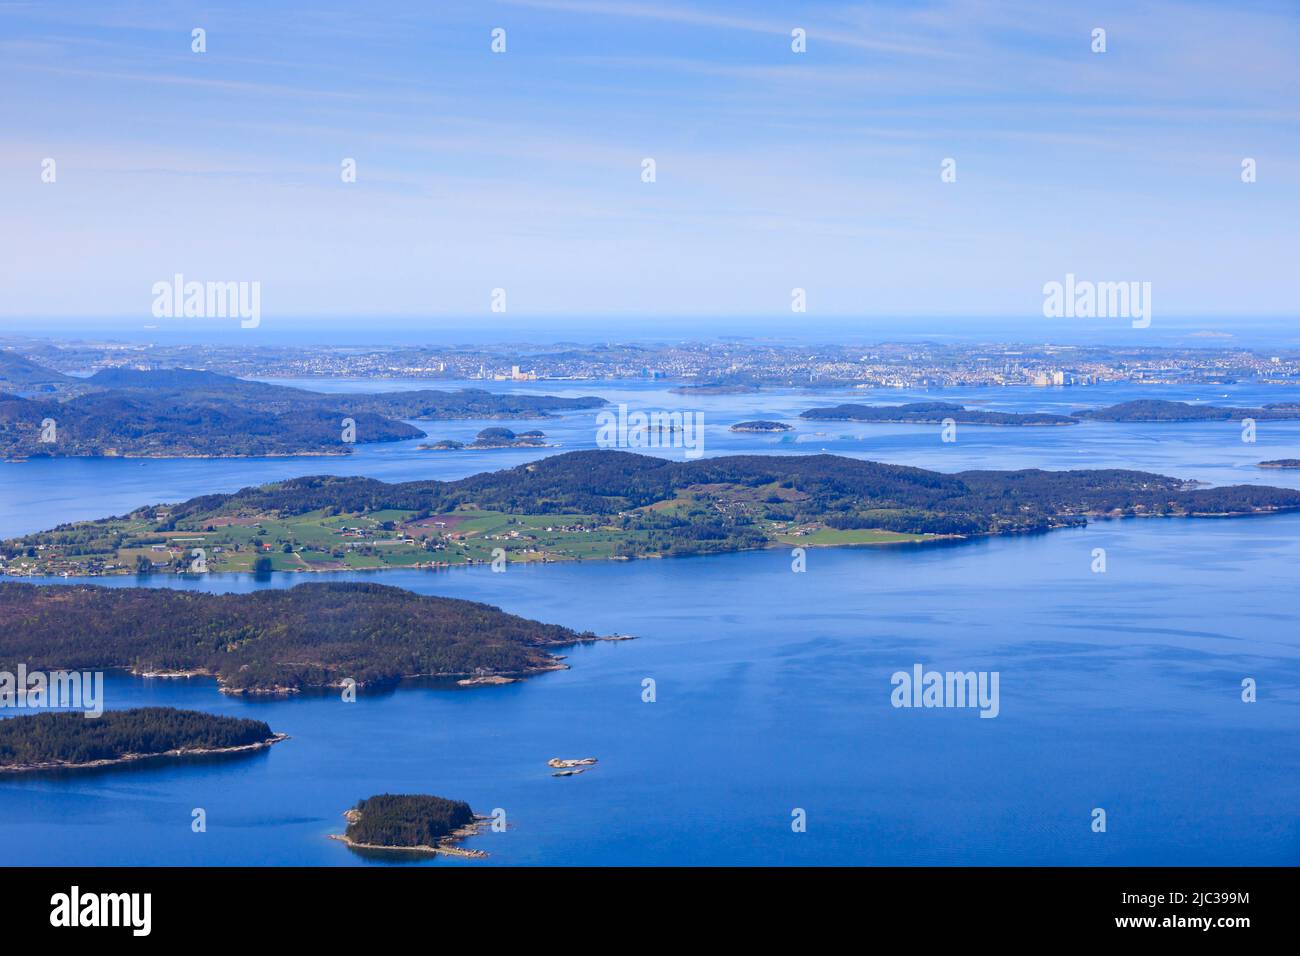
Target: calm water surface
1118 690
39 493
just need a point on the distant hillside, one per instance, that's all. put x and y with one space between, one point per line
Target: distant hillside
19 374
193 413
175 378
438 405
423 404
140 424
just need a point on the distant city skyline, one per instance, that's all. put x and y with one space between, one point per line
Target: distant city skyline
1198 332
523 170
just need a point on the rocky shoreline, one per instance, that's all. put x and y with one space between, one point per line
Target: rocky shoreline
135 758
446 846
462 679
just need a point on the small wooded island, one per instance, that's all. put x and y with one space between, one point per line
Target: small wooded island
71 741
761 426
495 437
1281 463
411 823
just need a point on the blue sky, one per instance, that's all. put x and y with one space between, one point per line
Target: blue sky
522 170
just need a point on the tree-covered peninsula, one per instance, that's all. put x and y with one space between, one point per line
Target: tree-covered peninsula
607 504
64 740
316 635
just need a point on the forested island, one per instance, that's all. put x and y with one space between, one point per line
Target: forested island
180 413
1155 410
930 413
761 426
317 635
71 741
1281 463
495 437
409 822
607 504
1146 410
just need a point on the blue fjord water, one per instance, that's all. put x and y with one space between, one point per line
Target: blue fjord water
39 493
1118 690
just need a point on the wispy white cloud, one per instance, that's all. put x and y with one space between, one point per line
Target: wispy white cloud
703 17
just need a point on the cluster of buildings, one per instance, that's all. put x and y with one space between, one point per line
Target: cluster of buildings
885 365
515 375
